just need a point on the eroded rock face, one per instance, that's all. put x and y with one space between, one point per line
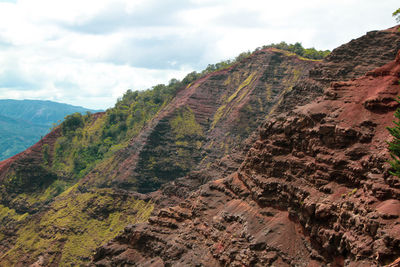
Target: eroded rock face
314 188
325 163
206 125
362 55
356 58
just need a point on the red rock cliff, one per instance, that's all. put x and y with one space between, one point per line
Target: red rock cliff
314 188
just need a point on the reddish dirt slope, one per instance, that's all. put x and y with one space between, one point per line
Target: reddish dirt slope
314 189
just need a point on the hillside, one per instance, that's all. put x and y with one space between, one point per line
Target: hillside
314 188
17 135
149 138
255 162
24 122
204 123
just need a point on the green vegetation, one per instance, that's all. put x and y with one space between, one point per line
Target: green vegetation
24 122
30 187
46 154
7 214
352 192
298 49
41 196
71 123
76 224
27 179
225 63
245 83
86 141
396 14
394 145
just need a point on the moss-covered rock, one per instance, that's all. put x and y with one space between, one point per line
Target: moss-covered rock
73 226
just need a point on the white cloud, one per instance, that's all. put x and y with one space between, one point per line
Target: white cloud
90 52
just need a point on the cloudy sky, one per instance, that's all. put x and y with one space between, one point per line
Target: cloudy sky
89 52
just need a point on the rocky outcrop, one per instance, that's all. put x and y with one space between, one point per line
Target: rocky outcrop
356 57
205 126
359 56
313 190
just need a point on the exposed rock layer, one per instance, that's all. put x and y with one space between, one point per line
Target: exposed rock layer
314 188
215 115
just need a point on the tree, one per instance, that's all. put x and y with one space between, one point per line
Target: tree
71 123
46 154
394 145
396 14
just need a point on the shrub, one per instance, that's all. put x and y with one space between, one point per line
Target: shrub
394 145
396 14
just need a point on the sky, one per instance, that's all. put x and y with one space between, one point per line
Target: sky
89 52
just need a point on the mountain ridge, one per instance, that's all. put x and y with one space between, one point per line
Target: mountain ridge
24 122
41 112
69 156
230 192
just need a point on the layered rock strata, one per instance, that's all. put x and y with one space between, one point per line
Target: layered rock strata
313 190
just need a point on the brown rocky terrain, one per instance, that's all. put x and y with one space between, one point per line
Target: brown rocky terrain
356 57
48 209
267 212
313 190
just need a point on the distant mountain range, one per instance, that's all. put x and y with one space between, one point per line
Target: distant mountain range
24 122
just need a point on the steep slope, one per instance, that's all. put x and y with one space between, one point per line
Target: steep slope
17 135
49 219
77 185
314 188
204 122
358 56
24 122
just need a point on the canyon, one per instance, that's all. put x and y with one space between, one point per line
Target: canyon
276 160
